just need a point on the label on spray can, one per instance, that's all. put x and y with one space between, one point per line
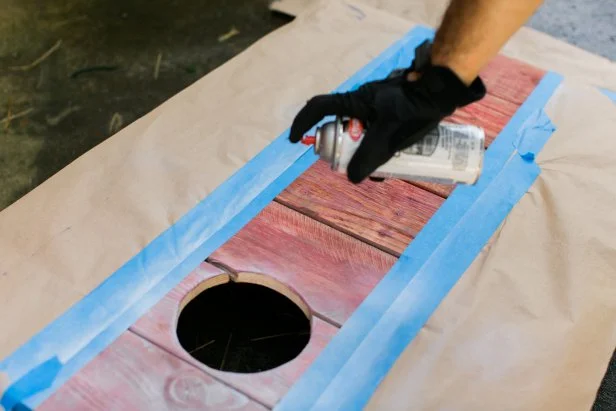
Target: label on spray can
449 154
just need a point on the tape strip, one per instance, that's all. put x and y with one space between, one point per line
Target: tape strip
531 136
610 94
352 365
94 322
40 377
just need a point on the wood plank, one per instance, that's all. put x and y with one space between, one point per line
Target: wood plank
509 82
491 113
133 374
387 215
442 190
511 79
267 387
332 271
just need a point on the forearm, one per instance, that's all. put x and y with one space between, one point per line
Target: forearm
473 31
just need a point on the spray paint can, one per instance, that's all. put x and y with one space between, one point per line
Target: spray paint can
449 154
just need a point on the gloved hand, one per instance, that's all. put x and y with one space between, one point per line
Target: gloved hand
396 112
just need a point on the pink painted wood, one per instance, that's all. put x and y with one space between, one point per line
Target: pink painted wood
133 374
268 387
511 79
441 190
387 215
332 271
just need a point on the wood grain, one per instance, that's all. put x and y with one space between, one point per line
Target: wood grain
267 387
490 113
387 215
332 271
442 190
509 82
133 374
511 79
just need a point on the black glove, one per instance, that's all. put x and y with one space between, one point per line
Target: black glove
396 112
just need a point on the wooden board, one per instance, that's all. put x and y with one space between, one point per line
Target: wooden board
159 326
509 82
441 190
387 215
134 374
332 271
491 113
511 79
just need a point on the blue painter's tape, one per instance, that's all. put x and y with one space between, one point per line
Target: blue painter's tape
351 366
531 136
41 376
408 313
102 315
610 94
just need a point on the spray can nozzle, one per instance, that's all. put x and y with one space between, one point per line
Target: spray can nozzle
309 140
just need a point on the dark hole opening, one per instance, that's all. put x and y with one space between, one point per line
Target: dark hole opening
243 327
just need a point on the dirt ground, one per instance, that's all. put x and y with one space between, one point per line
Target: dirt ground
112 62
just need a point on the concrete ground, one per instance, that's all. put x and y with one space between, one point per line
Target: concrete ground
589 24
115 61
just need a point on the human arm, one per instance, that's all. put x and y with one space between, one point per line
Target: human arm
473 31
400 110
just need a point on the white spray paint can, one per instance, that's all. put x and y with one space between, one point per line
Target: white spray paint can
449 154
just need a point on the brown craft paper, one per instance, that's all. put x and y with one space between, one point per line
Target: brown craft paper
531 325
68 235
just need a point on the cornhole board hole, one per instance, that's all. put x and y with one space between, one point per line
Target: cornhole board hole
397 289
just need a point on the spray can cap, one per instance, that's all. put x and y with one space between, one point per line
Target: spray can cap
309 140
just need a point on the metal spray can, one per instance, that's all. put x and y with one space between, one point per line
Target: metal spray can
449 154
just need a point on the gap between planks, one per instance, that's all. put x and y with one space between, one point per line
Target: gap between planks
430 189
233 273
342 230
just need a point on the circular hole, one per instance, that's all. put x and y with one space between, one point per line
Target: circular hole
249 325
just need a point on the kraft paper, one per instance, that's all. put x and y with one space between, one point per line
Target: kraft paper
534 312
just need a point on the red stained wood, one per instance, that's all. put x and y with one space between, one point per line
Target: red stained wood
133 374
267 387
509 82
510 79
332 271
387 215
490 113
442 190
